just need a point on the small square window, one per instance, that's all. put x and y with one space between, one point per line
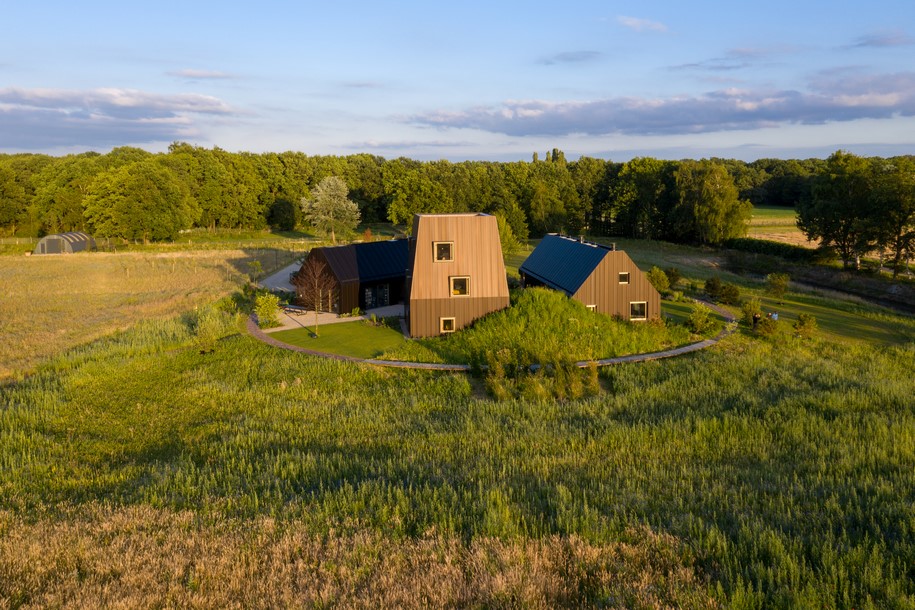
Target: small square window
444 251
638 310
460 286
446 325
624 277
591 307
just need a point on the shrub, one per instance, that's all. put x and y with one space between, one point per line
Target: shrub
673 276
266 308
766 327
729 294
805 326
658 279
700 319
751 308
777 285
713 287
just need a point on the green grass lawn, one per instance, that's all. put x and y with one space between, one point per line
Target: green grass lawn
356 339
773 215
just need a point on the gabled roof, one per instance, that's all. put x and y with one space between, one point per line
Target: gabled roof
381 260
368 262
563 263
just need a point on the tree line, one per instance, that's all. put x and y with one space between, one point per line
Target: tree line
132 194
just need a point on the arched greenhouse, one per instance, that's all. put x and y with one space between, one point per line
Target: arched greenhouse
64 243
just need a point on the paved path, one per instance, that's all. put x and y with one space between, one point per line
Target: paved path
280 279
730 327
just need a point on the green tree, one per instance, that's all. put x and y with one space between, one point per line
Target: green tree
410 192
639 197
893 200
709 209
12 199
837 212
141 200
329 209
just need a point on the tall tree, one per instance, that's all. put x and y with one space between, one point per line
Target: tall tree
839 206
638 198
141 200
330 210
710 209
893 199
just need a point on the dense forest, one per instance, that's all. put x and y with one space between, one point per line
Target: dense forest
850 202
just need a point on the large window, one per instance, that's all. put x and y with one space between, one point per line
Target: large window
624 277
444 251
638 310
460 285
446 325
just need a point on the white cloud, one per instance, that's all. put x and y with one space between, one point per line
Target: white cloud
830 99
37 119
641 25
192 74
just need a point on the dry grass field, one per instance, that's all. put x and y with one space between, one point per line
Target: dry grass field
51 303
142 557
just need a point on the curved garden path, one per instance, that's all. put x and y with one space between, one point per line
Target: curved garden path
730 327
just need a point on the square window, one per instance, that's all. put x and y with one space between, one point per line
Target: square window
638 310
591 307
460 286
444 251
446 325
624 277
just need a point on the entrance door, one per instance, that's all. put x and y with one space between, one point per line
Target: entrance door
377 296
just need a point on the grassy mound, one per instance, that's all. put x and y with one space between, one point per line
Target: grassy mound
544 326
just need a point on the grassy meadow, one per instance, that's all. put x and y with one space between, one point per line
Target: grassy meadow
777 224
137 469
52 303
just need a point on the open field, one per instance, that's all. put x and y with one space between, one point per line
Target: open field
135 469
777 224
51 303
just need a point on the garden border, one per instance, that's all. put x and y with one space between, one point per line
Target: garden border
730 327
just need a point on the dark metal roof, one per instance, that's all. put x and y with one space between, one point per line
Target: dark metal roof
368 262
563 263
381 260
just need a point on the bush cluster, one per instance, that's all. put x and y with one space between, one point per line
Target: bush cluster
722 292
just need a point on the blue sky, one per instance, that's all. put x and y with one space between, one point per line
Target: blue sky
469 80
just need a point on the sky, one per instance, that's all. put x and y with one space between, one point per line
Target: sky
495 80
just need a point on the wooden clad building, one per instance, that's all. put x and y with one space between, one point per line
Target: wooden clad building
456 274
602 278
368 275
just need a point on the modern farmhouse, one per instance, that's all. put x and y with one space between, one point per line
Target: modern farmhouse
603 278
368 275
456 272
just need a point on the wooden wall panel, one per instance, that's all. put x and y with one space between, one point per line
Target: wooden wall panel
603 289
425 314
477 254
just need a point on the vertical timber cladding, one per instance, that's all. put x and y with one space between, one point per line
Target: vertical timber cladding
476 254
602 288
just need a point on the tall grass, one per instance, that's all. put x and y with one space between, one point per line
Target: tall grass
786 467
